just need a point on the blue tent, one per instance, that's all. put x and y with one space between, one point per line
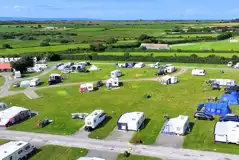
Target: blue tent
217 109
229 98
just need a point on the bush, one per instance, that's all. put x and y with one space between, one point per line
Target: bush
44 43
6 46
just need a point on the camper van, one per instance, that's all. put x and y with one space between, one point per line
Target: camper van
165 80
16 150
94 119
54 78
198 72
35 82
115 74
224 82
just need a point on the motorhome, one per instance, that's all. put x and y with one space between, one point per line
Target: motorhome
236 65
230 64
198 72
16 150
54 78
224 82
115 74
35 82
94 119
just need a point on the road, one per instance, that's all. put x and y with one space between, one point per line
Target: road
115 146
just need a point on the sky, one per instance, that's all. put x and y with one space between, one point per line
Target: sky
121 9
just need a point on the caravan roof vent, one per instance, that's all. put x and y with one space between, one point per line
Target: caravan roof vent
19 144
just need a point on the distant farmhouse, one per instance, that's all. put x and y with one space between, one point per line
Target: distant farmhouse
155 46
50 28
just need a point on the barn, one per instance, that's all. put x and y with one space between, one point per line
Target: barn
13 115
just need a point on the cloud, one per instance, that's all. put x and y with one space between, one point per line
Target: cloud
20 7
5 7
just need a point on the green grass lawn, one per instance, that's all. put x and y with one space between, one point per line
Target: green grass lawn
42 49
13 29
51 152
135 157
181 98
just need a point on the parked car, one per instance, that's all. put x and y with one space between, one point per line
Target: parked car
59 64
231 89
203 116
15 85
82 70
229 117
160 72
99 84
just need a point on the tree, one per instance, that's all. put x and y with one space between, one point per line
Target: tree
39 26
97 47
6 46
53 57
23 63
126 56
44 43
111 40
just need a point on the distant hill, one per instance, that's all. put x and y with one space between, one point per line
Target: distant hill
43 19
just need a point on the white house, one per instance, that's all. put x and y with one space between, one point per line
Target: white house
94 119
198 72
131 121
13 115
227 132
86 87
177 126
115 74
165 80
154 46
94 68
170 69
15 150
90 158
35 82
112 82
224 82
139 65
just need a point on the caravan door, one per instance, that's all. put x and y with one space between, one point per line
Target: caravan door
220 138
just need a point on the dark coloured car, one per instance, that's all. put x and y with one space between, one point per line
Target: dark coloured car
231 89
229 117
160 72
82 70
99 84
203 116
15 85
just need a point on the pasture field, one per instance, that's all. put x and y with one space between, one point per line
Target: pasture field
135 157
158 54
181 99
190 35
224 45
16 43
13 29
42 49
52 152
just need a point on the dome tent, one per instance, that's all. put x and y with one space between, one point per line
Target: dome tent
231 99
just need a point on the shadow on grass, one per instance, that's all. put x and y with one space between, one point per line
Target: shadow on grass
35 152
107 119
121 84
145 123
41 83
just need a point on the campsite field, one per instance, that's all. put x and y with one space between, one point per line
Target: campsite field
51 152
42 49
181 99
135 157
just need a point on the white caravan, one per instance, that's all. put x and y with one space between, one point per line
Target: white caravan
139 65
86 87
165 80
35 82
17 74
16 150
170 69
112 82
198 72
237 65
227 132
229 64
131 121
94 119
115 74
224 82
156 65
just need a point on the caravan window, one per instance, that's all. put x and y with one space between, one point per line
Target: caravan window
20 152
178 128
94 121
27 147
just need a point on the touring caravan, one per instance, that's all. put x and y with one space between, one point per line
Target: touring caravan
170 69
17 74
35 82
227 132
42 66
139 65
131 121
87 87
198 72
112 82
94 119
156 65
165 80
236 65
224 82
16 150
230 64
54 78
115 74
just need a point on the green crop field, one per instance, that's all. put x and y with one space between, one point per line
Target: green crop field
130 97
13 29
42 49
51 152
16 43
135 157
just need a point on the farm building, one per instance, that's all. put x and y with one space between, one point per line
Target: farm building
178 125
227 132
220 109
13 115
94 68
3 106
154 46
90 158
112 82
5 67
87 87
131 121
115 74
198 72
231 99
94 119
139 65
224 82
15 150
165 80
